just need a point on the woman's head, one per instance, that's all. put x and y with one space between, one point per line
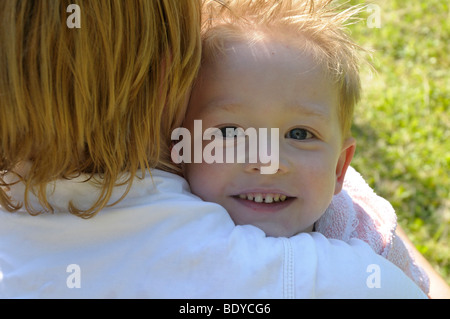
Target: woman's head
101 99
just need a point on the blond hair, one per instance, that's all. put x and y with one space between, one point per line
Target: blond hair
319 24
101 99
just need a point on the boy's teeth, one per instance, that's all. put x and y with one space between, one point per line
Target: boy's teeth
264 198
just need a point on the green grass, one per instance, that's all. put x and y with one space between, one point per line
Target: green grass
402 124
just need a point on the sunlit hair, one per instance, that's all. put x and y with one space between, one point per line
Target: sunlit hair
101 99
316 26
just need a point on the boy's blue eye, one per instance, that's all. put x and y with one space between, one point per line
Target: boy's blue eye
299 134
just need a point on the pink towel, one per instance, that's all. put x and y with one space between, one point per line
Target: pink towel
357 212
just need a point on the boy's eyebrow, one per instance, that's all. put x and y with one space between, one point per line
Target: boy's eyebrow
315 110
230 107
294 107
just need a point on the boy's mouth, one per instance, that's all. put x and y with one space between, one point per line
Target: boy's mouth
267 198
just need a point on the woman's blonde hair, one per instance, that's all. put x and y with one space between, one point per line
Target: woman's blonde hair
101 99
317 24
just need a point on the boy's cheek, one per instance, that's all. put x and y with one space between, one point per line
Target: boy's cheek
202 179
212 182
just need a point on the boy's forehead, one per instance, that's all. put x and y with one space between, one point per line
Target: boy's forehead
294 77
256 62
258 47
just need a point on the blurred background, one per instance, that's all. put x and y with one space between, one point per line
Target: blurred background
402 124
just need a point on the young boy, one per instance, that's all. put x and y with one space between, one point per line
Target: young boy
286 65
276 71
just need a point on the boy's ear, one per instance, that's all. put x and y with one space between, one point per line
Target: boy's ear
347 152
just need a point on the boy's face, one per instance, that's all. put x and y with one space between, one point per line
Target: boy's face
271 85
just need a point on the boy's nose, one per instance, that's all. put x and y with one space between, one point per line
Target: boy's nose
266 158
277 167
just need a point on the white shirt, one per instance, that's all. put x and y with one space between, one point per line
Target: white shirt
163 242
